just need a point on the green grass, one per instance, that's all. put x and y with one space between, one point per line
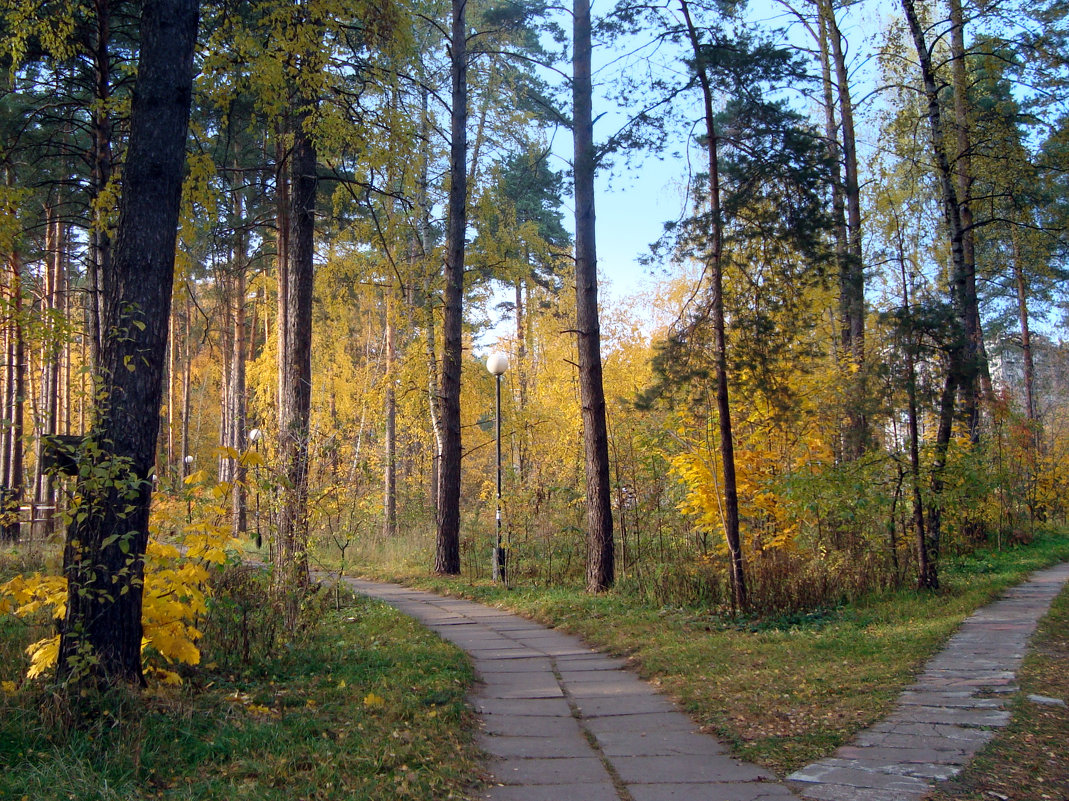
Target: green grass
365 705
782 694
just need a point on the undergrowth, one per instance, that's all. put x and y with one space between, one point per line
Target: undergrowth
363 704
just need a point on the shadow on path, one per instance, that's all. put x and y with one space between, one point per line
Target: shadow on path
562 722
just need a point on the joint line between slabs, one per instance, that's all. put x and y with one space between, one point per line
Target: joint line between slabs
617 781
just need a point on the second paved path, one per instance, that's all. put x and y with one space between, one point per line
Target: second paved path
562 722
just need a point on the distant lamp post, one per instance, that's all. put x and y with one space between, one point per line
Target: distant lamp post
188 462
497 364
255 435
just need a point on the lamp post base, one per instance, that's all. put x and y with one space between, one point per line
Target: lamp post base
499 564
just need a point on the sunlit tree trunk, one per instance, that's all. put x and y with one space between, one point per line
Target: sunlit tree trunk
14 395
53 302
851 264
101 168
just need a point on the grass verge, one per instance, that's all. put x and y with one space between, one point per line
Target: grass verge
366 705
781 693
1029 759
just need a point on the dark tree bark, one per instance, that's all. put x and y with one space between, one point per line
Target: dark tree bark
295 369
975 371
960 368
600 565
389 477
447 550
104 555
714 263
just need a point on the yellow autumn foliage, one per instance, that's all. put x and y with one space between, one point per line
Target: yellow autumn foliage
175 598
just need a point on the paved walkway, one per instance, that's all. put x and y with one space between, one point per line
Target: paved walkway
562 722
949 713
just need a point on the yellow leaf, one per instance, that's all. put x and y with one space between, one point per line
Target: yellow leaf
372 700
8 686
43 655
253 459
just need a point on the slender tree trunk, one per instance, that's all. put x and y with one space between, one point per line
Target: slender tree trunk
389 501
16 390
957 369
51 357
282 246
238 417
172 360
925 568
975 375
104 555
226 378
101 169
187 371
521 375
1026 334
425 248
600 552
851 268
715 266
447 551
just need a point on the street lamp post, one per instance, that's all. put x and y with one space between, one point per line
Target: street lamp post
255 435
497 364
188 461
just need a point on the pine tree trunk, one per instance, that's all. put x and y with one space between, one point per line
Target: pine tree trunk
295 370
187 399
852 272
976 374
715 265
447 548
101 168
600 551
16 390
104 554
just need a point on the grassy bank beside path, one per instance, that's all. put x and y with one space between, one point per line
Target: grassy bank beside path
781 693
366 705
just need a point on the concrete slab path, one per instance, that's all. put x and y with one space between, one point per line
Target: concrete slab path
562 722
948 714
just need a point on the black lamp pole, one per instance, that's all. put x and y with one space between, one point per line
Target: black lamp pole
497 364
